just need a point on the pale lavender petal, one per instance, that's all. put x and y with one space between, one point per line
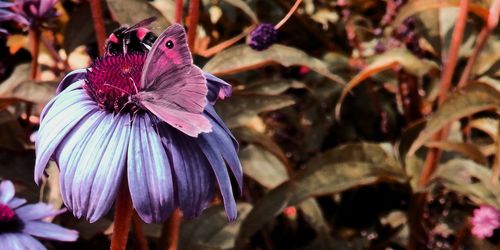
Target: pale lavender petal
7 191
72 86
92 162
49 231
4 31
37 211
222 142
6 4
70 78
222 175
149 174
67 111
19 241
16 202
217 88
194 178
69 153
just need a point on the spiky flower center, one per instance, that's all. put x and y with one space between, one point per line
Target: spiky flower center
111 80
9 222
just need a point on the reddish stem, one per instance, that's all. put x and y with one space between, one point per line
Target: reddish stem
194 14
123 216
139 234
445 84
179 5
480 42
451 62
170 234
288 15
34 35
98 19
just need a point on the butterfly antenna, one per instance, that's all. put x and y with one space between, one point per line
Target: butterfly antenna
106 84
135 85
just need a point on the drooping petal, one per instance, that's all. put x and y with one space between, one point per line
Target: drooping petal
92 162
67 111
49 231
37 211
70 78
212 115
19 241
222 142
72 86
222 175
217 88
149 174
194 178
7 191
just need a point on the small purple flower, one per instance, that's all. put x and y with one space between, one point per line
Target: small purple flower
98 141
484 221
19 222
263 36
29 13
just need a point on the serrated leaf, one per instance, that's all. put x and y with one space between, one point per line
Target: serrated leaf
334 171
262 166
469 178
212 230
385 61
472 99
240 109
133 11
242 5
242 58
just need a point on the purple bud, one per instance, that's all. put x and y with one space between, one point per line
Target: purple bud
263 36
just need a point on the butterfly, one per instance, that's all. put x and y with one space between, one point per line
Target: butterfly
171 86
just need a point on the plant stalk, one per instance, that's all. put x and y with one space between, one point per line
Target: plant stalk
170 233
179 5
100 29
139 233
34 36
288 15
194 14
123 217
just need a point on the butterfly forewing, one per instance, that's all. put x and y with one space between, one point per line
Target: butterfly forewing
172 87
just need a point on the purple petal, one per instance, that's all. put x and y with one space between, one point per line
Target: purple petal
37 211
46 5
193 175
19 241
7 191
92 162
217 88
71 78
66 111
6 4
16 202
222 175
222 142
212 115
149 174
49 231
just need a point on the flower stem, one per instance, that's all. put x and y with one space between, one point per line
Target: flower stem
123 216
194 13
223 45
139 234
170 233
288 15
98 19
34 35
445 85
179 4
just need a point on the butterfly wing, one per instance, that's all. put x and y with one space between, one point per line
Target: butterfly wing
172 87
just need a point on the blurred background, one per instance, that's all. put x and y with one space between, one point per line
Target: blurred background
362 124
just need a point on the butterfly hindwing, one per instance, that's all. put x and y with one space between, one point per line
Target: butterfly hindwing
172 87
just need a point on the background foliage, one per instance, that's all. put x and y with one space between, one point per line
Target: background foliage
357 130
